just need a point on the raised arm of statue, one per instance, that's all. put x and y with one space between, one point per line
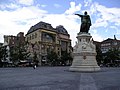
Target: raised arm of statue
79 15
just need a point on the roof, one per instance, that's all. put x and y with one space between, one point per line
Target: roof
61 29
40 25
108 40
43 25
1 44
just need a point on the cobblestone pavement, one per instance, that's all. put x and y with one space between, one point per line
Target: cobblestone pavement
58 78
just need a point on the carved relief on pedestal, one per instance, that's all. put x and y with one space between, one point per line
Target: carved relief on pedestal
92 45
84 44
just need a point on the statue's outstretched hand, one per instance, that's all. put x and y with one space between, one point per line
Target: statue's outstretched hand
76 14
79 15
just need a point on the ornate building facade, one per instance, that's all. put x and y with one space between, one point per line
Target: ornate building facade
42 38
110 44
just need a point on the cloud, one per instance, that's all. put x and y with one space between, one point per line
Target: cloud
9 6
19 20
26 2
99 23
115 28
24 14
39 5
43 5
73 8
105 18
109 14
87 2
96 36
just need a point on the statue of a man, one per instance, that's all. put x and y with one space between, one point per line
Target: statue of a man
85 22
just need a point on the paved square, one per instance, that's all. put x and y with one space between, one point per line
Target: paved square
58 78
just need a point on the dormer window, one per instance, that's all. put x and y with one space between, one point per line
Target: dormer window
45 26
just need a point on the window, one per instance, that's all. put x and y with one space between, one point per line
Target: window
30 37
35 35
115 43
45 26
27 38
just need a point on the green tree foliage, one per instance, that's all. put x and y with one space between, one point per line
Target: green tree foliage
99 56
66 57
52 58
14 54
112 55
35 59
18 52
3 54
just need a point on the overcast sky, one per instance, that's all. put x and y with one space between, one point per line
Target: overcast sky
19 15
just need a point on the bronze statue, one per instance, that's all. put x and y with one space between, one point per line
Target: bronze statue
85 22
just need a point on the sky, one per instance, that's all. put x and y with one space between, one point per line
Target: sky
19 15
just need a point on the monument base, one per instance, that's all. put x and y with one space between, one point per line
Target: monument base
85 68
84 62
84 54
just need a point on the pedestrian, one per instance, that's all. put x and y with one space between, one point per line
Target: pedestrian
34 66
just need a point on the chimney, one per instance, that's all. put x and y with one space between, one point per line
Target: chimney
115 37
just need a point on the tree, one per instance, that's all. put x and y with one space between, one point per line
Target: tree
66 57
99 56
112 55
35 59
3 54
18 53
52 58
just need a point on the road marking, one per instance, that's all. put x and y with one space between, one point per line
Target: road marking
87 82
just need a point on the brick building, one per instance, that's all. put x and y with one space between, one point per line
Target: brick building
12 41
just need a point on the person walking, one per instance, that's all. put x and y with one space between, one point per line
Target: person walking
34 66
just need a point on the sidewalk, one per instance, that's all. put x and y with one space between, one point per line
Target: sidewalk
58 78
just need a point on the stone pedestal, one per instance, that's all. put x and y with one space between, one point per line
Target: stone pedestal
84 54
